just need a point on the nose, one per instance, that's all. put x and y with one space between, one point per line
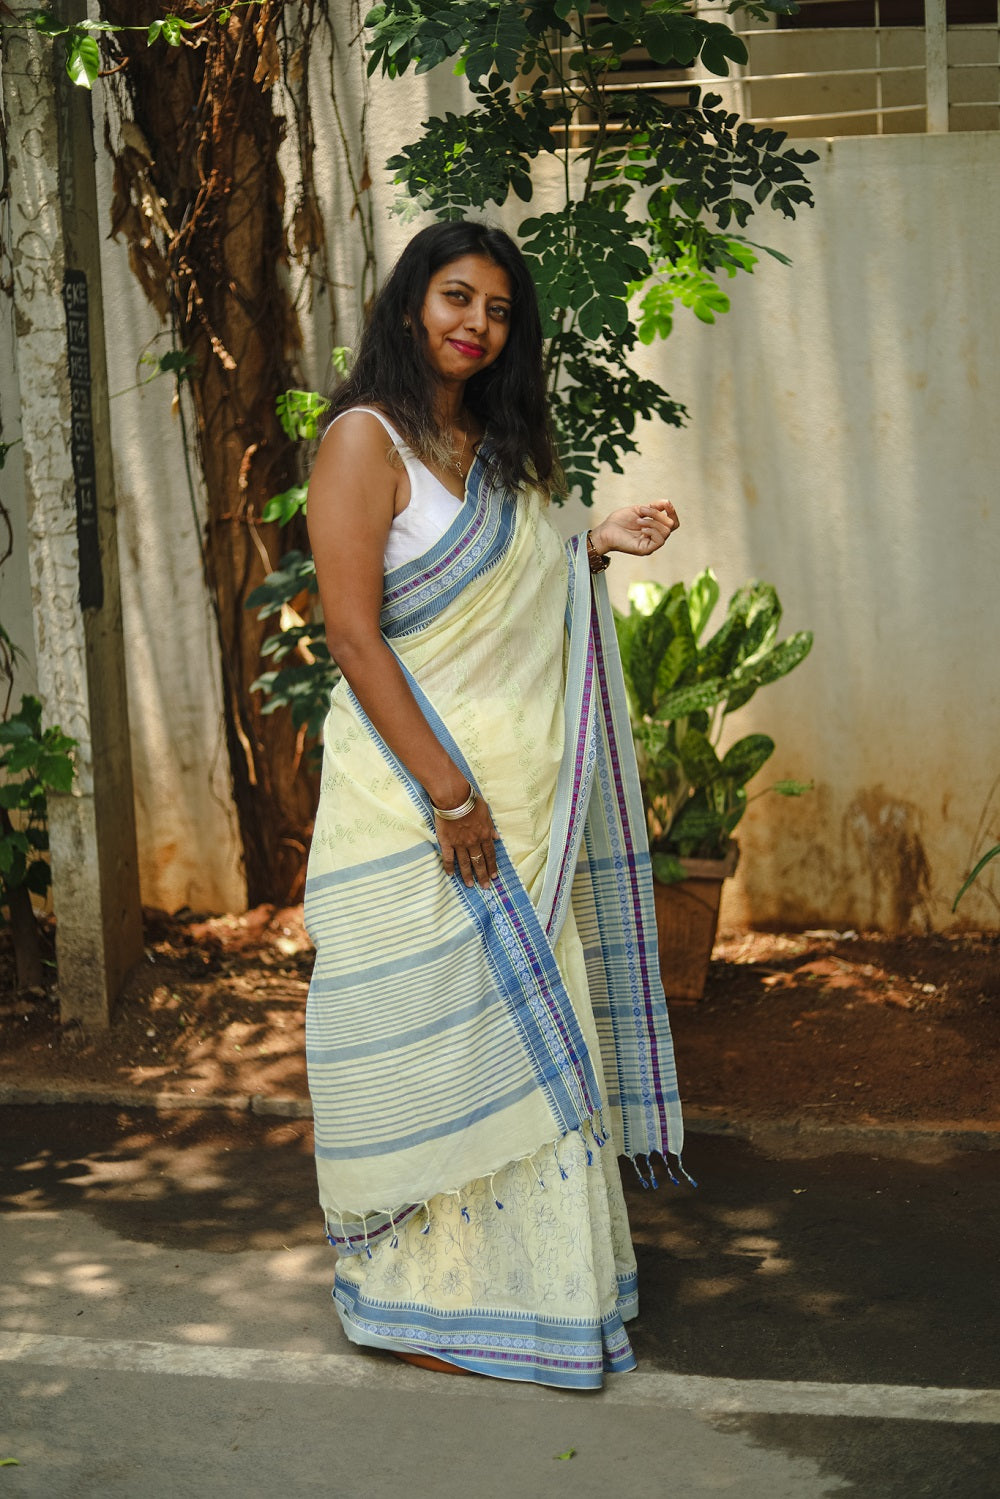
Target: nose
475 315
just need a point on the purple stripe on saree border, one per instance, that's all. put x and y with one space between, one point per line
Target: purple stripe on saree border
632 873
393 595
581 748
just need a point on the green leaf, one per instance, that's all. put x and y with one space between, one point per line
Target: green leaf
299 412
792 788
644 597
56 772
675 664
22 756
700 762
667 868
16 729
977 871
649 642
703 595
699 830
171 30
770 667
155 27
719 653
563 1457
295 574
590 318
342 357
282 507
83 61
177 362
744 758
761 612
687 700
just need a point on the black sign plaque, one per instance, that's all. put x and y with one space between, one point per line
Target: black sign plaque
82 439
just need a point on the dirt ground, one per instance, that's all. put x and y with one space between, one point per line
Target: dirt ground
836 1026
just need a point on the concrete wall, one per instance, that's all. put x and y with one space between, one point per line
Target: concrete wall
844 445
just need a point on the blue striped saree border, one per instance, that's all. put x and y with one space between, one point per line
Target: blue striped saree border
623 893
568 1353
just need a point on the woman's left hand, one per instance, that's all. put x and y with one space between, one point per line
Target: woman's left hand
637 529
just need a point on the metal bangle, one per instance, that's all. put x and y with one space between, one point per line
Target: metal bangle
452 814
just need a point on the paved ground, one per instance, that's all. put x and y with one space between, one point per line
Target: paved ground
810 1327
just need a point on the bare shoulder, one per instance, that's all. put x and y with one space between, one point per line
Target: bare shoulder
354 460
355 436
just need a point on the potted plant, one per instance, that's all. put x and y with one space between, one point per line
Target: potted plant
681 692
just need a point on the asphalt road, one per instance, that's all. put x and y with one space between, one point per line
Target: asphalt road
810 1327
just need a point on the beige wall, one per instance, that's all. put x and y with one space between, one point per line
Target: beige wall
843 444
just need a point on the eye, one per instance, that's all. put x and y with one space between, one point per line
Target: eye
501 313
456 295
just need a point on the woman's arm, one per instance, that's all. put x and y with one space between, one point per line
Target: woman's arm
352 500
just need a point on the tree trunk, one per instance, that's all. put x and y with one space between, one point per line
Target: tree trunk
209 253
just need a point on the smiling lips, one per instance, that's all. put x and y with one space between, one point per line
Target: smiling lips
471 351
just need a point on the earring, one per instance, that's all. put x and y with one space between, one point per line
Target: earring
406 325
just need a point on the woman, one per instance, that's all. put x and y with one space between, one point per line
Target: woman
485 1027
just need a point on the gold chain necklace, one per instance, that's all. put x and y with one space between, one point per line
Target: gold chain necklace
456 459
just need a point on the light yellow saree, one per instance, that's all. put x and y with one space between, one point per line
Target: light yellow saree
473 1052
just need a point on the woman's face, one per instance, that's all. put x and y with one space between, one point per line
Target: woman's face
466 316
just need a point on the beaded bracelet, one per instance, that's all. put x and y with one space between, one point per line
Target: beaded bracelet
598 560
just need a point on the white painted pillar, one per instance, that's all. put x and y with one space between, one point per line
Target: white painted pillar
936 44
72 540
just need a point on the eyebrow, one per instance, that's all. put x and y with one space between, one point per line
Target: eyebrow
457 281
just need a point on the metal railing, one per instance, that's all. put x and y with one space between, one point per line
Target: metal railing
932 78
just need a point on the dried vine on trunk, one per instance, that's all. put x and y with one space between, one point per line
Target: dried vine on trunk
199 198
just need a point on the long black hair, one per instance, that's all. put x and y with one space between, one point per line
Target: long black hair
392 371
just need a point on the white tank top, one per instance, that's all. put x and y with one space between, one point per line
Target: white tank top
431 510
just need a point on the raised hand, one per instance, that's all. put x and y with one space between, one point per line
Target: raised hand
638 530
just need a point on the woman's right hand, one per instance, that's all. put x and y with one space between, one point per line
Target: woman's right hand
467 847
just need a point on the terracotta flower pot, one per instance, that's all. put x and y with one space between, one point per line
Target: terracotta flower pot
687 915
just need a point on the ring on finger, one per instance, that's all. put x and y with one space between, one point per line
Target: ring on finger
477 858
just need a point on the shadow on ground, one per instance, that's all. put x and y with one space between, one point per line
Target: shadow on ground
841 1268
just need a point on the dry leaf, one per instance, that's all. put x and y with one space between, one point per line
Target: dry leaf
268 69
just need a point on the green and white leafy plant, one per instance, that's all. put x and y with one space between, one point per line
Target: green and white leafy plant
681 688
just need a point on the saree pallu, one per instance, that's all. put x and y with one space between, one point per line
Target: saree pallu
471 1051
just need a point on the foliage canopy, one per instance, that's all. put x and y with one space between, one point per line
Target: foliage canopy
654 191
